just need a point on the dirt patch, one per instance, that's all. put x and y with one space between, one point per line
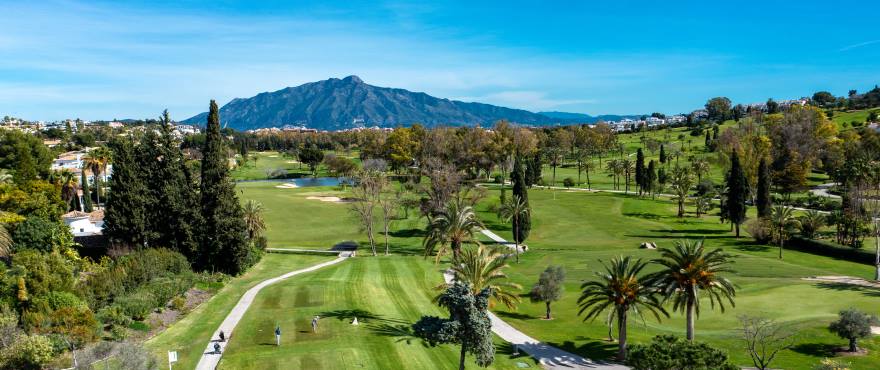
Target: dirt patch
844 351
851 280
160 320
329 199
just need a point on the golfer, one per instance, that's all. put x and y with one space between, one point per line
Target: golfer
277 335
315 324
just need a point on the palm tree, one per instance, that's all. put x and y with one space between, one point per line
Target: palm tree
621 290
588 166
810 223
689 270
5 243
96 161
783 221
452 227
512 210
69 185
681 183
253 219
481 268
700 168
629 168
611 168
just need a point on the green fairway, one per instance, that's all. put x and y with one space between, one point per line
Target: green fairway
386 294
191 334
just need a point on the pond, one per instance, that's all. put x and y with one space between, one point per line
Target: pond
317 181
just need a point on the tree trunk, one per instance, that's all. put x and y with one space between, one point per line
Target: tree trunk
737 229
877 251
690 318
781 244
621 335
853 347
548 310
589 187
461 357
386 237
456 250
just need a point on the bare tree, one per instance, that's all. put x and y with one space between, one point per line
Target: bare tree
764 339
444 184
367 193
389 204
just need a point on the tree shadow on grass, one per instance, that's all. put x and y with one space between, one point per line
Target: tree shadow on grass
692 231
594 349
645 215
363 316
868 291
507 349
752 247
514 315
400 332
407 233
816 349
677 236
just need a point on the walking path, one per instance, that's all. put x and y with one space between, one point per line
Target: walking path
210 358
822 191
497 239
548 356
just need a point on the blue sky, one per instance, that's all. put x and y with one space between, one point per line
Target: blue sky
104 60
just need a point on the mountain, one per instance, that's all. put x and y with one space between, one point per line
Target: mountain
336 104
586 118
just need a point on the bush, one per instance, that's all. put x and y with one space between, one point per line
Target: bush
113 315
568 182
139 326
668 352
178 303
28 352
831 364
40 234
760 230
118 333
137 305
58 300
498 179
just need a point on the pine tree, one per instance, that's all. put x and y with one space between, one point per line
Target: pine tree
763 201
87 194
524 227
125 210
640 170
737 192
25 170
223 245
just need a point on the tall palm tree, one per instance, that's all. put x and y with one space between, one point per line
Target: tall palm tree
452 227
611 168
689 270
482 267
681 183
622 290
513 210
253 219
629 168
69 185
783 221
96 161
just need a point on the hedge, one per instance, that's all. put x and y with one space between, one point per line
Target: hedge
830 249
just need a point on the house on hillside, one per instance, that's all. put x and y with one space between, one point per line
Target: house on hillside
84 224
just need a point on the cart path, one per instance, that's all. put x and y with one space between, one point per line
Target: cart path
210 358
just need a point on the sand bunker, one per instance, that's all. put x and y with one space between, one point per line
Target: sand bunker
844 280
287 185
328 199
273 156
292 162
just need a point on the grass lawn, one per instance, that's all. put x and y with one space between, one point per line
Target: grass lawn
387 294
578 230
190 335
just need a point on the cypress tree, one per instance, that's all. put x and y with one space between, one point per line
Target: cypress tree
25 170
763 201
87 194
662 154
737 192
177 197
708 142
650 178
125 211
223 245
523 226
640 170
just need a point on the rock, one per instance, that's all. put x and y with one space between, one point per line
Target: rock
648 245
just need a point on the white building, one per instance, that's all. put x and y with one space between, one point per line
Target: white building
84 224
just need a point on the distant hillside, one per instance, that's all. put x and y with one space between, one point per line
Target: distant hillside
586 118
345 103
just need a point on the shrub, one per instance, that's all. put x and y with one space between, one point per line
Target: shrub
40 234
668 352
137 305
831 364
760 230
261 242
139 326
44 272
498 179
178 303
28 352
58 300
113 315
568 182
118 333
77 324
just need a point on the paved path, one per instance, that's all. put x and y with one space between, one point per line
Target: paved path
497 239
210 358
822 191
548 356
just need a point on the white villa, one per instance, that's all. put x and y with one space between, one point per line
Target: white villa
84 224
